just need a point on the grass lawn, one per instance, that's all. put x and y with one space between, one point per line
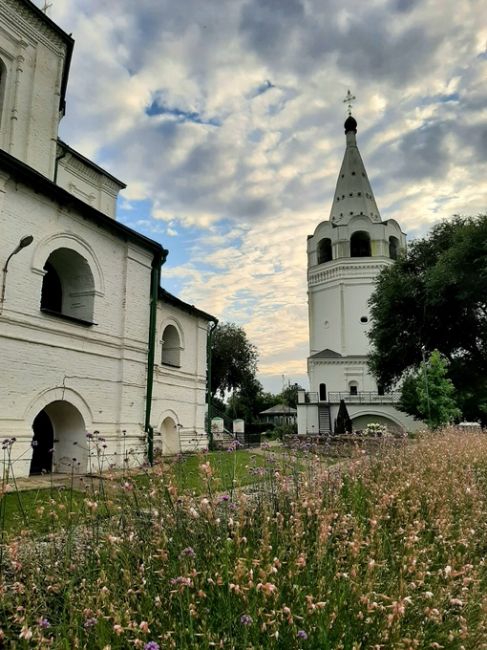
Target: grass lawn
50 508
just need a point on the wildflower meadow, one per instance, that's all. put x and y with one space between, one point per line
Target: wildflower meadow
381 552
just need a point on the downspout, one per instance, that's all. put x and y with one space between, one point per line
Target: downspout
211 329
157 262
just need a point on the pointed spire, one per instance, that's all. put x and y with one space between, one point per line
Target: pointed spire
353 193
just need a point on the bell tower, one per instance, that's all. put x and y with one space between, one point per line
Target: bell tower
345 255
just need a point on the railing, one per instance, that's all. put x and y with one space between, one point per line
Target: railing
365 397
307 398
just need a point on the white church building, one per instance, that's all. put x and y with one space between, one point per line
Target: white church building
345 255
89 342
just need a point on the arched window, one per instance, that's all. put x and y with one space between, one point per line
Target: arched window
360 244
171 347
353 388
324 251
68 288
393 247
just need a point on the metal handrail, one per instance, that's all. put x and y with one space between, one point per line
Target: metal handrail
365 397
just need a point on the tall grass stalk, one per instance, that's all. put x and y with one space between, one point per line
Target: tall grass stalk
387 553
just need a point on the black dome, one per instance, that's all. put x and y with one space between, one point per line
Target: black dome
350 124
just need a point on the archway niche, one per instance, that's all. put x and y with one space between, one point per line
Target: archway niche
59 440
171 444
68 287
325 253
353 387
171 347
393 247
360 422
360 244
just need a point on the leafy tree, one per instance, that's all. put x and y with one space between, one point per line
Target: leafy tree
249 400
234 358
436 297
289 395
429 393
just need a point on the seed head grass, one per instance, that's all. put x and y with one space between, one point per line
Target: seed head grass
387 552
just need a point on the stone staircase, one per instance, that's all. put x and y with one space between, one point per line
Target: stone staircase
324 420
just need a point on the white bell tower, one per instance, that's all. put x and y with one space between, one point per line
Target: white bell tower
345 255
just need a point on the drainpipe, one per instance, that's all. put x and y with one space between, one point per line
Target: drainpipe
157 262
211 329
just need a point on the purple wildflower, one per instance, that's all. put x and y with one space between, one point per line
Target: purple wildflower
225 497
90 622
44 623
302 635
151 645
89 436
188 552
245 619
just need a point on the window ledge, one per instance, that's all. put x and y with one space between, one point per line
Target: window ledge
171 365
71 319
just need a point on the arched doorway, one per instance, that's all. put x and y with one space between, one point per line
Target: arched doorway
322 392
170 437
42 444
59 440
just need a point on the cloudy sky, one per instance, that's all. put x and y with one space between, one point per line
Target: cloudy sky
225 119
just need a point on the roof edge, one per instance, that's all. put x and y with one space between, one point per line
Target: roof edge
185 306
32 178
90 163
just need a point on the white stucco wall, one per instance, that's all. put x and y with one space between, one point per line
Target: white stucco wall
180 392
33 55
100 369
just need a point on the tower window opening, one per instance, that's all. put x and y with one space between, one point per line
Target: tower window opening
364 319
393 247
325 253
360 244
359 193
351 194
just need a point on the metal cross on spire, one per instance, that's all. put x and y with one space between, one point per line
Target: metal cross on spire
47 5
349 99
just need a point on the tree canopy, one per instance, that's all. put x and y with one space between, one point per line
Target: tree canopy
234 358
436 297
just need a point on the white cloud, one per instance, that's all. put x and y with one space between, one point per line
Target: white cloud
242 160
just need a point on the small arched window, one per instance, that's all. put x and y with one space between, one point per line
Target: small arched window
324 251
393 247
68 287
360 244
353 388
171 347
